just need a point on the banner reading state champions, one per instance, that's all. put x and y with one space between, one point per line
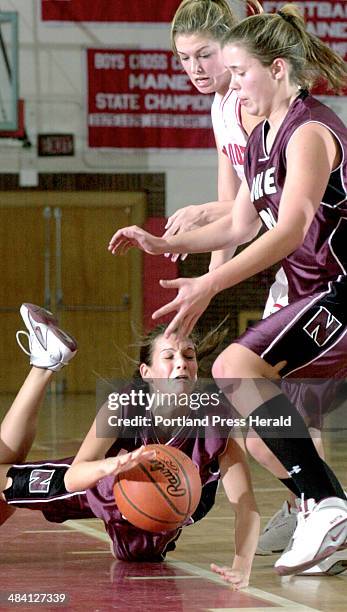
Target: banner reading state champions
142 99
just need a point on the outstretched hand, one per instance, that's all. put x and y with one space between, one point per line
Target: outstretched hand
134 236
237 578
192 299
183 220
125 461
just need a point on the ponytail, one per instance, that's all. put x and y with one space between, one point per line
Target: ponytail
284 34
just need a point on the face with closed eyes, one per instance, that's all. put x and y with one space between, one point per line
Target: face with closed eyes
173 366
202 60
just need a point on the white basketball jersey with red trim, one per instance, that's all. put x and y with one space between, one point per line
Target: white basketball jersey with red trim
278 294
227 126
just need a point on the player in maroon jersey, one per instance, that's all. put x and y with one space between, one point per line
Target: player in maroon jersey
195 39
82 486
296 177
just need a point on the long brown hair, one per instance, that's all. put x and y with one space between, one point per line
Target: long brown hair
283 34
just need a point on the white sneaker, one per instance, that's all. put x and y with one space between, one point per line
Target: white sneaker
279 530
320 532
49 346
331 566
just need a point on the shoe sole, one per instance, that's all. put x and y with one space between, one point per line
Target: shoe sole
337 532
267 553
41 315
337 568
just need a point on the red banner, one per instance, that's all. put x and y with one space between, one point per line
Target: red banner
143 11
326 19
142 100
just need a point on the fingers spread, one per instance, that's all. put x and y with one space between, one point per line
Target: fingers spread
170 307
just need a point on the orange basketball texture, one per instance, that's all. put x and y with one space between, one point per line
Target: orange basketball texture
159 495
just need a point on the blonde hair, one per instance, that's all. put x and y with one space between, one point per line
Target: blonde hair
212 18
283 34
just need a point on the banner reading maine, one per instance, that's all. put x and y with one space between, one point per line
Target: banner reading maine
141 99
142 11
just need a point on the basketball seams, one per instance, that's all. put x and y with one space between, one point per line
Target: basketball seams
130 506
152 518
162 493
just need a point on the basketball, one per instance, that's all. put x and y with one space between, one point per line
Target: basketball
160 494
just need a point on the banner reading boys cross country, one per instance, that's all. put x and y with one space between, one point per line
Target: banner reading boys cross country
143 100
143 11
326 19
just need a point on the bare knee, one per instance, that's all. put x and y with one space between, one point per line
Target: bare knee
238 362
227 364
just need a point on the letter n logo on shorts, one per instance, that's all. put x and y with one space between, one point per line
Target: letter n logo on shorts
40 481
322 326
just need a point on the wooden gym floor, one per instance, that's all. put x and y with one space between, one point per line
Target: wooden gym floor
73 559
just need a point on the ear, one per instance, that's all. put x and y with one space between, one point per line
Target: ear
145 371
279 68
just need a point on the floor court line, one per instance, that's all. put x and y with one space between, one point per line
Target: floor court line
46 531
282 602
260 490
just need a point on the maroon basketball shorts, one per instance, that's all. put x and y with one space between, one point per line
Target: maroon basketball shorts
311 336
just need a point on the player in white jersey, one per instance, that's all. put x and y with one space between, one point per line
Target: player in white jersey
226 114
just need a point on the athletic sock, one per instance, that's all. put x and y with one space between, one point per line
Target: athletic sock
293 446
334 480
290 484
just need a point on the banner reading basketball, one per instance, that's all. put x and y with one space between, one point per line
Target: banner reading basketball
142 99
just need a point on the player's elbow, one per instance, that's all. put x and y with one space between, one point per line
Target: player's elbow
70 481
244 233
292 243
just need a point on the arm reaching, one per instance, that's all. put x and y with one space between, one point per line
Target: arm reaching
192 217
90 464
86 474
228 187
311 156
134 236
201 240
238 487
235 228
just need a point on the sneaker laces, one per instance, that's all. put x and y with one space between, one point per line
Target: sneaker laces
306 508
24 349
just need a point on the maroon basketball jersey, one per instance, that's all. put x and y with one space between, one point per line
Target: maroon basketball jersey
204 448
323 256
